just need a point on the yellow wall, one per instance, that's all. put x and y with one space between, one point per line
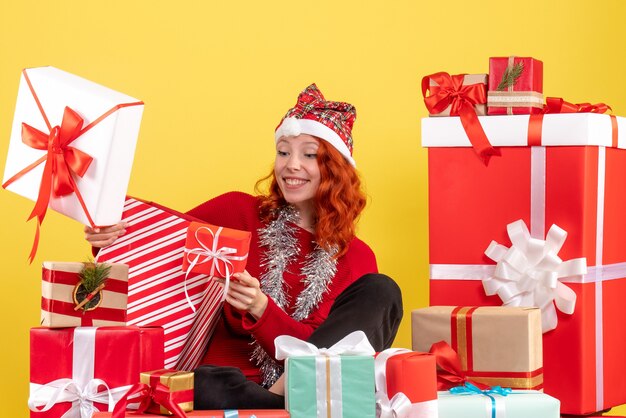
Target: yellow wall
217 76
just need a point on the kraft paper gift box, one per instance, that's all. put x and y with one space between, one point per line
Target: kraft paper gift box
228 413
92 130
91 363
215 250
476 81
497 346
337 382
159 292
406 384
58 302
491 404
524 96
574 176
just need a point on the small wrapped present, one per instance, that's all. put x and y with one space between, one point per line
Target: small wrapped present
160 294
497 346
77 371
65 302
216 413
450 95
215 251
180 384
470 402
474 86
405 384
515 86
335 382
163 391
91 133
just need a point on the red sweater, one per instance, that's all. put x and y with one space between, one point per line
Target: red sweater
230 345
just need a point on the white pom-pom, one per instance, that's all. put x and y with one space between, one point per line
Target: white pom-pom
289 127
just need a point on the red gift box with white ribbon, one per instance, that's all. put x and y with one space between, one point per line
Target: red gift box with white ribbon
215 251
573 176
406 384
77 371
159 292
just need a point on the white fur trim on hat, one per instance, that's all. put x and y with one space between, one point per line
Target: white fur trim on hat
295 127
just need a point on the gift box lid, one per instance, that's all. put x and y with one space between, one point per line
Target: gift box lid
563 129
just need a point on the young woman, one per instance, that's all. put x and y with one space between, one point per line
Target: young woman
307 275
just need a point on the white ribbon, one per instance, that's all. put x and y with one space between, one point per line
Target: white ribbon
216 256
82 389
399 406
326 360
530 272
353 344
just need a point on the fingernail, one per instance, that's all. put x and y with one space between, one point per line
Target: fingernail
96 230
122 232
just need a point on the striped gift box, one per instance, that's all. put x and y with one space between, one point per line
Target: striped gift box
58 306
153 248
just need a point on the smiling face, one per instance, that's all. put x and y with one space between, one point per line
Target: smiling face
296 170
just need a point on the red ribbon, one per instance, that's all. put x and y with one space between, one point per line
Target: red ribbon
61 160
558 105
158 393
461 99
449 371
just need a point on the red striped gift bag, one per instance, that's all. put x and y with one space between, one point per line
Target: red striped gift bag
158 292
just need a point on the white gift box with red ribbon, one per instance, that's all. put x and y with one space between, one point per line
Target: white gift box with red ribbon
43 95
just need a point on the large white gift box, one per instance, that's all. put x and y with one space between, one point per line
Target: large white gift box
82 168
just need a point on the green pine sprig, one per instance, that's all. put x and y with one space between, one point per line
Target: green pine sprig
93 275
510 76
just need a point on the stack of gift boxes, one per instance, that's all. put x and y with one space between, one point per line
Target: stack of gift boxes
530 218
503 168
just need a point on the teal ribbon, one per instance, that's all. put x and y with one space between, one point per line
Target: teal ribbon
471 389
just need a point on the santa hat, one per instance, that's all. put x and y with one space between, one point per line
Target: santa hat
314 115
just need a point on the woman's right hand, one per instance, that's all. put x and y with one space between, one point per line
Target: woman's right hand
104 236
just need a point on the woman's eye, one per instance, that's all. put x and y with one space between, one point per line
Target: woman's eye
281 153
310 155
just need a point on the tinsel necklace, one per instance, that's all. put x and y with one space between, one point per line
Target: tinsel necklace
319 268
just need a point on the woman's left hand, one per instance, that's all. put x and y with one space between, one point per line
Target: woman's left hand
244 293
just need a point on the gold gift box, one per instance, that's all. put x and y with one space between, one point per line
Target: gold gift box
178 381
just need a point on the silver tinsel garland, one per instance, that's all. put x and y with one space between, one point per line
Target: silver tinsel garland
279 237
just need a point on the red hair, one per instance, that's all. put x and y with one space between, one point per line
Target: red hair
338 202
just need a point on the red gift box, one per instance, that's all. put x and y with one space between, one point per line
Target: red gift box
242 413
406 383
78 368
159 293
58 305
215 251
580 189
524 96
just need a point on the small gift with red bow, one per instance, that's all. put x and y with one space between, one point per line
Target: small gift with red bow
164 392
515 86
464 96
215 251
489 345
71 147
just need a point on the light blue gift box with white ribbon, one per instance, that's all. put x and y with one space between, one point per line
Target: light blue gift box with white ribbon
335 382
471 402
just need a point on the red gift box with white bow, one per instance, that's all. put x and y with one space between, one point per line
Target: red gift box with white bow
567 170
86 369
